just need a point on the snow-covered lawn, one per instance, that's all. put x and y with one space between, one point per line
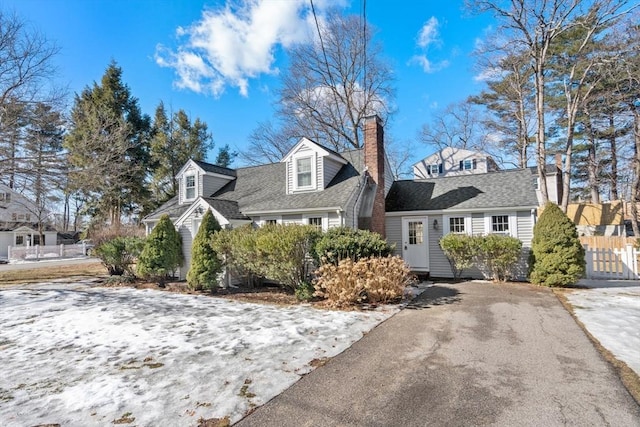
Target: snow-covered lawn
611 313
90 356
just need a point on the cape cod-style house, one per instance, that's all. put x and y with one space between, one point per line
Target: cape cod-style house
453 191
19 223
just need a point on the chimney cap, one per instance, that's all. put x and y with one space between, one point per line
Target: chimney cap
373 117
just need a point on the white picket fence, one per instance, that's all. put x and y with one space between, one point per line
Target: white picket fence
612 264
37 252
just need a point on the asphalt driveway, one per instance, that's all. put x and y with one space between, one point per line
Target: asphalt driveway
465 354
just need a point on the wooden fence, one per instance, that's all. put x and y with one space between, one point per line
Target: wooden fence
37 252
612 263
607 242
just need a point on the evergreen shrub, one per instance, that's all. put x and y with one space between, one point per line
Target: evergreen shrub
162 252
557 256
119 254
496 255
205 264
341 243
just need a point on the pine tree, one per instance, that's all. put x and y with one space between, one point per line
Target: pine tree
557 256
205 265
108 147
162 252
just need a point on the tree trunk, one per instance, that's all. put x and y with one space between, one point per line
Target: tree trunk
635 188
541 152
614 158
592 163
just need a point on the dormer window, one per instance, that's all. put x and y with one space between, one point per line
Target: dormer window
190 187
435 169
467 165
303 173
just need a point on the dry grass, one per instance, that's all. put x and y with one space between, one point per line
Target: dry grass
629 378
44 274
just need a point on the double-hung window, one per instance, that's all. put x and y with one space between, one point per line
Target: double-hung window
456 225
303 172
435 169
500 224
190 187
467 165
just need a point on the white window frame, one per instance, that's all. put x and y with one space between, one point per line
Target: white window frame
513 223
186 188
467 223
5 197
263 221
433 166
464 165
324 216
312 161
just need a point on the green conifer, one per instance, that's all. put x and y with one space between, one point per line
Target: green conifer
205 265
162 252
557 256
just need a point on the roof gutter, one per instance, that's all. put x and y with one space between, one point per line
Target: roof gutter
469 210
289 211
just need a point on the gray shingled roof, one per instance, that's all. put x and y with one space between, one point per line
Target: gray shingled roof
227 208
490 190
170 207
262 188
208 167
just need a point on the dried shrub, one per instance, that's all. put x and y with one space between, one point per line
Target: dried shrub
373 280
101 233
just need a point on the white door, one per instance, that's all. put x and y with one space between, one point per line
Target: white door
414 243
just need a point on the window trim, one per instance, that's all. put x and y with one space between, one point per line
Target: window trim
186 187
512 221
473 164
467 223
263 220
323 216
313 172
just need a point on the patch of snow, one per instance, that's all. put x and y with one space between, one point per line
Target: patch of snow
88 356
612 316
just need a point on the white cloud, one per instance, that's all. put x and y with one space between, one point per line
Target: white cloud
428 37
230 46
429 33
427 65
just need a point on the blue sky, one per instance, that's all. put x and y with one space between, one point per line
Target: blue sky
219 60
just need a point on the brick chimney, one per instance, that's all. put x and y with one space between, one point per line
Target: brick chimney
374 161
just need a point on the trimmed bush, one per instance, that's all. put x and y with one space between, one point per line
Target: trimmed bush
373 280
341 243
119 254
282 253
275 252
205 265
162 252
459 250
497 255
557 256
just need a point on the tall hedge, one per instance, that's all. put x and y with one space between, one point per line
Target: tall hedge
162 252
205 264
557 256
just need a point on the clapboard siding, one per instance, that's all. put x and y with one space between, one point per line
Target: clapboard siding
334 220
393 229
477 224
525 227
331 169
211 184
438 264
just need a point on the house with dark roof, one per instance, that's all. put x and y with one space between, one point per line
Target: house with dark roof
19 222
311 185
318 186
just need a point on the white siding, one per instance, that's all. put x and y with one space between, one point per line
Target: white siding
295 219
477 223
334 220
185 234
331 169
6 240
525 227
450 159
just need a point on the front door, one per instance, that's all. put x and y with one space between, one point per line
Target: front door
414 243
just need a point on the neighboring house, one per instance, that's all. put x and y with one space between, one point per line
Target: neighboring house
553 176
18 223
318 186
598 219
311 185
452 161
